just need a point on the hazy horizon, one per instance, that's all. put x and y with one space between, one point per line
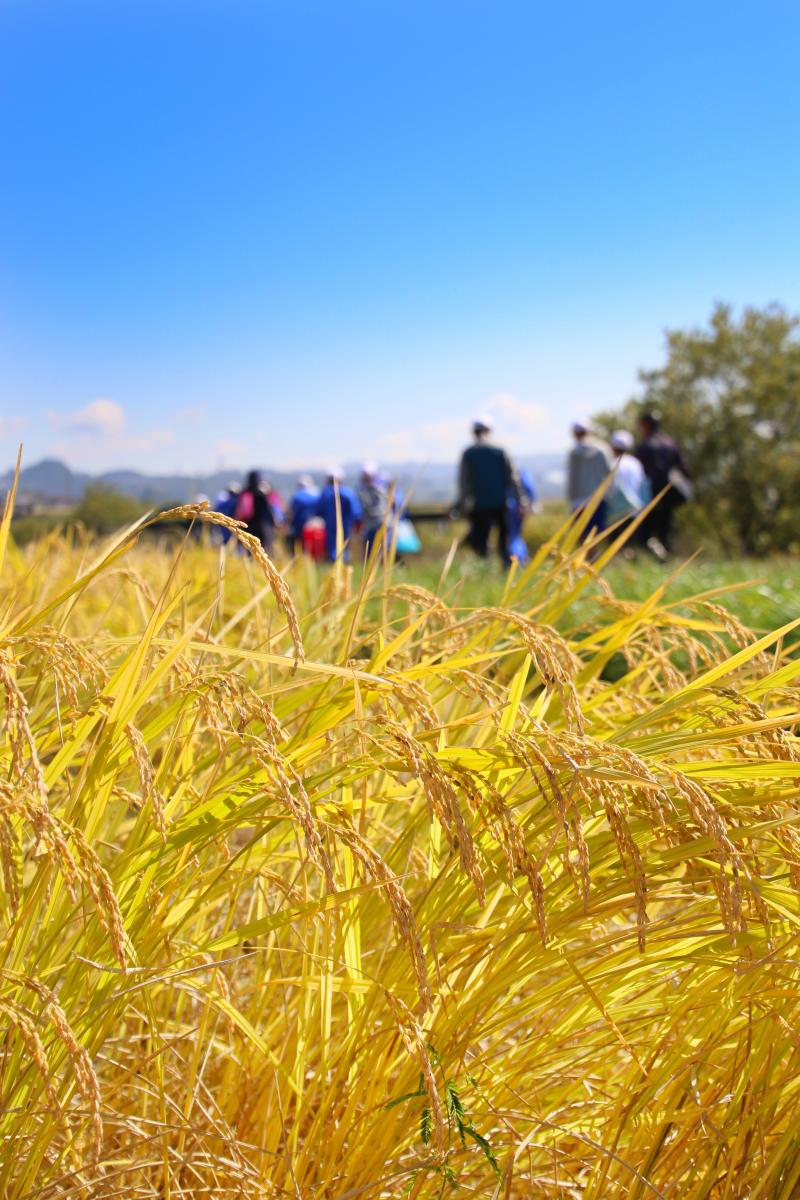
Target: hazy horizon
317 468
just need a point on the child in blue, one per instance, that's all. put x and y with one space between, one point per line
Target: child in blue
225 502
349 507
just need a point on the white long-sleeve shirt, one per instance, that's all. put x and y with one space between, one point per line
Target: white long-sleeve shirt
628 492
630 474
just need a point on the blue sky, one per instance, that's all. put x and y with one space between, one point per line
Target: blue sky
293 232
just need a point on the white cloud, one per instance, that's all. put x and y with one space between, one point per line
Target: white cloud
191 414
517 424
99 418
437 441
513 414
97 436
82 447
151 439
227 449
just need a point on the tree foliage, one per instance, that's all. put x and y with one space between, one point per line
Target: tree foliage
730 395
103 509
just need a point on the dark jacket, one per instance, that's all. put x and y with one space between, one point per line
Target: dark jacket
261 524
659 455
486 478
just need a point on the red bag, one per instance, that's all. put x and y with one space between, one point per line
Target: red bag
245 507
314 540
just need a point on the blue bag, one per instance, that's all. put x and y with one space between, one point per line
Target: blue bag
406 537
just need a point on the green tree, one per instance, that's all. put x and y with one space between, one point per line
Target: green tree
730 396
103 509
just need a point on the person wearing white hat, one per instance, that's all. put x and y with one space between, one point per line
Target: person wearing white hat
374 497
588 465
629 472
486 479
628 492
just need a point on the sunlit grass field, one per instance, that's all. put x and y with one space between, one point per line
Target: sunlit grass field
766 592
326 884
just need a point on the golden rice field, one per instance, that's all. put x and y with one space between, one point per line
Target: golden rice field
319 886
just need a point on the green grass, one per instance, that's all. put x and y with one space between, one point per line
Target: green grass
770 599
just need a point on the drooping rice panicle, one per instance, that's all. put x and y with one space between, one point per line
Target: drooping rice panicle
328 886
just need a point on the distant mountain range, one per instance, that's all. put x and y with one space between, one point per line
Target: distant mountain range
52 481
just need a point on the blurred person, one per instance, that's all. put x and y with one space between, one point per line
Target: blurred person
276 504
518 508
197 526
226 498
395 494
373 495
588 465
253 507
629 490
486 481
302 507
664 467
225 502
348 506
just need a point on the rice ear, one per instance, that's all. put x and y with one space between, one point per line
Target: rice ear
481 913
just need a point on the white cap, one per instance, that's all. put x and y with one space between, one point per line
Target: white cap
622 440
305 481
482 421
370 469
579 427
334 473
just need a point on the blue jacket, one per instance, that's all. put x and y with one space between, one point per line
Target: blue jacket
326 508
225 503
303 508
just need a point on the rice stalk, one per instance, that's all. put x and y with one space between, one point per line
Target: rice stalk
447 900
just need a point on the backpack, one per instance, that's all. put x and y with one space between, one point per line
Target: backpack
245 507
